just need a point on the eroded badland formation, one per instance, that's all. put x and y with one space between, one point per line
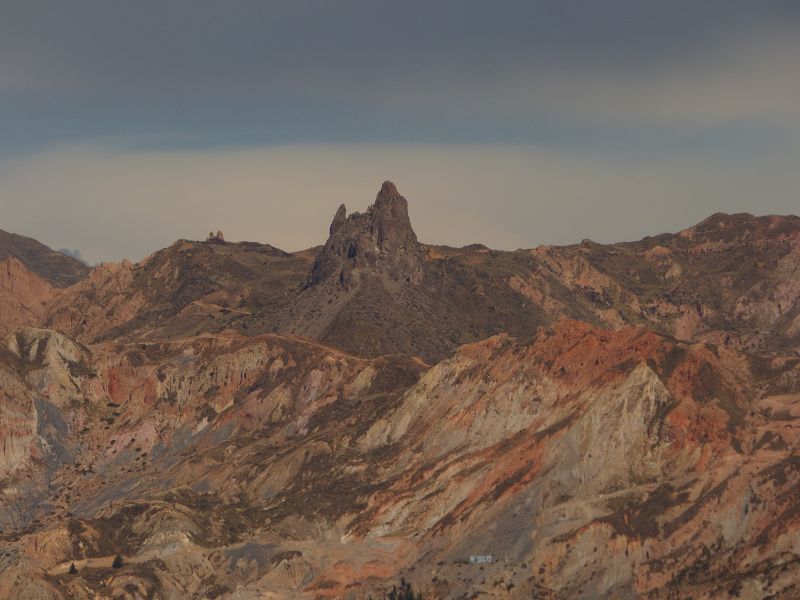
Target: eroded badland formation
235 421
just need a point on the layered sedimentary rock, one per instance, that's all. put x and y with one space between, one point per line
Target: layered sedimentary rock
587 462
603 421
25 297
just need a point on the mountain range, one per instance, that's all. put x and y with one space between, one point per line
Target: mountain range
236 421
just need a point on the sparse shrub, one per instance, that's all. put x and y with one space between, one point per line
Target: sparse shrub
118 562
403 592
72 569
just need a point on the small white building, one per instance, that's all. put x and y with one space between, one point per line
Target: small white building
480 559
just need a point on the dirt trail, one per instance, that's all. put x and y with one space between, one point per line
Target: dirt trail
97 562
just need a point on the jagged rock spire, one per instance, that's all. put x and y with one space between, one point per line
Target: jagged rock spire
381 238
338 219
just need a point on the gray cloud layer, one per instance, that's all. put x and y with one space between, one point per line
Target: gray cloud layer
124 125
202 71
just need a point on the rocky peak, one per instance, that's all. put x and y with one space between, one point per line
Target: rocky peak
391 226
381 238
24 296
338 219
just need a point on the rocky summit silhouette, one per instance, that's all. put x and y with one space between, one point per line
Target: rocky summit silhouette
381 240
228 420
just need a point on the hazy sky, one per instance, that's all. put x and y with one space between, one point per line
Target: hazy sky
126 125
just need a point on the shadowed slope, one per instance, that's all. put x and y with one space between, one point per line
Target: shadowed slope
57 268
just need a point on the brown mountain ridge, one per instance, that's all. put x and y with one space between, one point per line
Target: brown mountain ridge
373 288
52 266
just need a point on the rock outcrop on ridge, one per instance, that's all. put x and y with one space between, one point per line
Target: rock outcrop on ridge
379 240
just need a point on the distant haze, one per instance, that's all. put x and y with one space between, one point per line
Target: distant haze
124 126
76 254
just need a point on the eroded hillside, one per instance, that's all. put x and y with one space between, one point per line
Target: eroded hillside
605 421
